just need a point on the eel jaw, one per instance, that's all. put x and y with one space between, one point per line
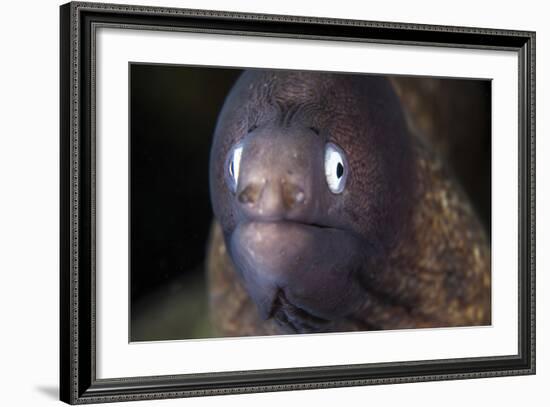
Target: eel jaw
301 275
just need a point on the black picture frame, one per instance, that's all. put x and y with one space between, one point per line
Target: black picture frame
78 382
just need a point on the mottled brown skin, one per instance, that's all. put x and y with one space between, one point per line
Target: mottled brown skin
425 259
454 117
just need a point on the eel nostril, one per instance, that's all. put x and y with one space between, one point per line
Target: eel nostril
269 199
292 194
250 194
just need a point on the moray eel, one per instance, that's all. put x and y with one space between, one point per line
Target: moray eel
332 215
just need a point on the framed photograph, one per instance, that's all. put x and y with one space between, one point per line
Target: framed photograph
255 203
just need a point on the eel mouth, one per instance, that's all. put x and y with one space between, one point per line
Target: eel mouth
283 222
297 273
293 318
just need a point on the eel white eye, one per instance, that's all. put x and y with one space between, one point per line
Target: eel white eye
336 168
233 166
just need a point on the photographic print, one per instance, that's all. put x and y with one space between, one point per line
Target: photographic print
276 202
255 203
